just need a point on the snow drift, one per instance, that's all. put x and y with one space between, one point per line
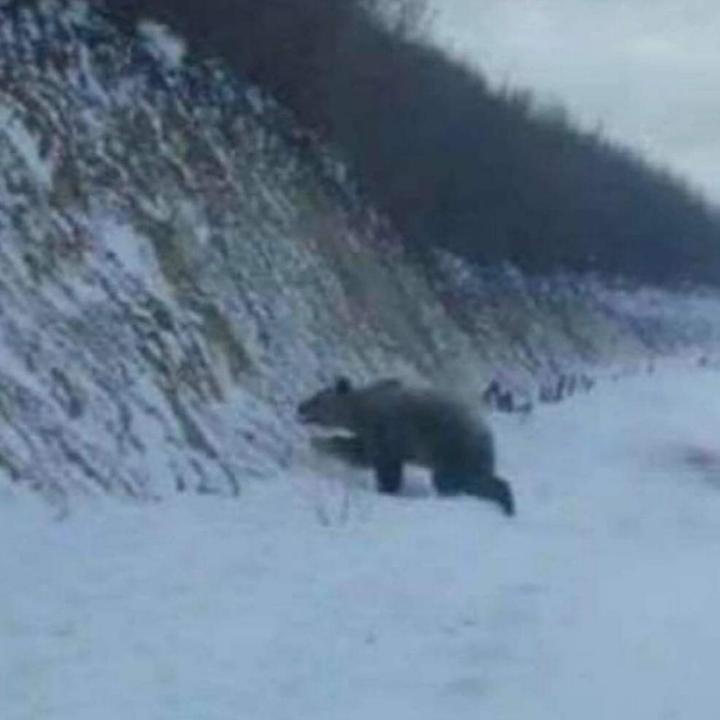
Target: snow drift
314 598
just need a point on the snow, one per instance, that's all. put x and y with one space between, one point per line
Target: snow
167 47
311 597
25 144
129 249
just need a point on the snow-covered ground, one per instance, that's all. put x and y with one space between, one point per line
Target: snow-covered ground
310 597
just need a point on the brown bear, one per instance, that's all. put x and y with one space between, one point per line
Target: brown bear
392 424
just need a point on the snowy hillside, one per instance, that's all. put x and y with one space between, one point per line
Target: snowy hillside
308 600
179 263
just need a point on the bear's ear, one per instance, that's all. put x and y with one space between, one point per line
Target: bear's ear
342 385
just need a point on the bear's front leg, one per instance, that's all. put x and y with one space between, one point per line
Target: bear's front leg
350 450
389 472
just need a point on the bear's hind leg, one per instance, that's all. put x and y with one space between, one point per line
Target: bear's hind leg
496 490
448 481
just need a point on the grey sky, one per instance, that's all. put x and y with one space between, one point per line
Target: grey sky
646 71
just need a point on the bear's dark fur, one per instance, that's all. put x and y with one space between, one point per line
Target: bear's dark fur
392 424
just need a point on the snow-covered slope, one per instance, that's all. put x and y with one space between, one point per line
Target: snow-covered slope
179 263
313 598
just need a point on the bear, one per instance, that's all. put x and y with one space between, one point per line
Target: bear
392 424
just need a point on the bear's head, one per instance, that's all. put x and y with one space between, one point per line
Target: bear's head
329 407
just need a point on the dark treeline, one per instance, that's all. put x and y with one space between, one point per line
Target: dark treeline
455 163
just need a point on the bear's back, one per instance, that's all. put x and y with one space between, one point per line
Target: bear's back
424 425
